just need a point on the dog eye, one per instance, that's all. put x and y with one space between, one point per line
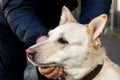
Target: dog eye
63 41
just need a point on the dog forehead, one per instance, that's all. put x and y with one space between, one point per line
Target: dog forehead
70 28
71 31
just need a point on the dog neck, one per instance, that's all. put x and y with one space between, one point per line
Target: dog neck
93 74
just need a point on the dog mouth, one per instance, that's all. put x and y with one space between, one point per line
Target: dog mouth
41 64
47 64
39 61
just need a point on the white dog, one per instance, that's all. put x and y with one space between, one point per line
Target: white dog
77 48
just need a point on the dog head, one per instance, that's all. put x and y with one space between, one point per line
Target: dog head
70 44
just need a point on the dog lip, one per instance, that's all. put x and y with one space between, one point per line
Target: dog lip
40 64
45 65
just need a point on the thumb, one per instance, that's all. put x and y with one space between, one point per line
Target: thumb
41 39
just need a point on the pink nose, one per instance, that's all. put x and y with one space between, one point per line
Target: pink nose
30 52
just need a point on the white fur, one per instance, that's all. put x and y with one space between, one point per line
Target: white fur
81 54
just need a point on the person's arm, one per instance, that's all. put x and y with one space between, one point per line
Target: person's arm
22 19
92 8
26 25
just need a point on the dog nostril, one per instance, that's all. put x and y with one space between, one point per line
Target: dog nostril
30 52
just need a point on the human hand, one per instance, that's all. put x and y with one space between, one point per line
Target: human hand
41 39
50 72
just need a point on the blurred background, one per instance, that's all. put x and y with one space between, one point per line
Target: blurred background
110 38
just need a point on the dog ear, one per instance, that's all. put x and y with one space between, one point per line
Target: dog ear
66 16
97 25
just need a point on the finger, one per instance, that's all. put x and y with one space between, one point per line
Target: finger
60 73
41 39
45 71
53 74
64 74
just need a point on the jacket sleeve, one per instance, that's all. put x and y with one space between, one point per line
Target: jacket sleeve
22 19
92 8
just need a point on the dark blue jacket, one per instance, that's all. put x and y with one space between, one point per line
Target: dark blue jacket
30 19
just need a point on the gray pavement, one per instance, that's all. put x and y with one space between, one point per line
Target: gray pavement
111 42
